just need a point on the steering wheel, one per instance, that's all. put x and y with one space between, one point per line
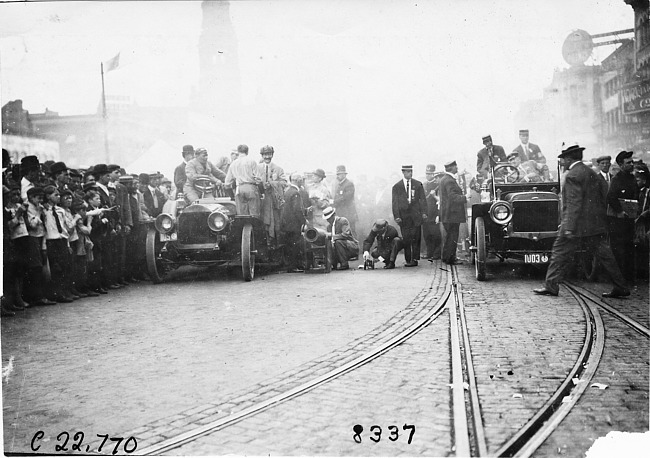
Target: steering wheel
204 185
506 172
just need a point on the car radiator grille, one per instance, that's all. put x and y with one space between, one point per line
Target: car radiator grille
193 228
535 216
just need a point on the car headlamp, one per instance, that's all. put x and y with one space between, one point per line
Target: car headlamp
164 223
501 212
217 221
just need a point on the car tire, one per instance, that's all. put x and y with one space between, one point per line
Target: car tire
247 254
152 249
481 249
329 254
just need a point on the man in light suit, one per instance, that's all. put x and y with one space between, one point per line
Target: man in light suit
452 212
409 211
583 222
528 151
346 247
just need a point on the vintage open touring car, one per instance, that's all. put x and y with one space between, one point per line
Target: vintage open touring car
207 232
517 220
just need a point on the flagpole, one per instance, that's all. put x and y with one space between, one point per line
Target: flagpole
104 116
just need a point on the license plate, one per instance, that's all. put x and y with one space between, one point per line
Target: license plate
536 258
168 237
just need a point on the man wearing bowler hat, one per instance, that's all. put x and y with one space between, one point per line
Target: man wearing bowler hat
583 223
30 169
344 198
528 151
179 172
489 155
409 211
61 176
621 220
431 227
452 212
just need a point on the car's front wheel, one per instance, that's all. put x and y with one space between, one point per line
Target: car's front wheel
152 249
481 249
247 253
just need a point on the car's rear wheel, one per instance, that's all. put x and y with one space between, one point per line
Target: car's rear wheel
247 255
481 249
152 249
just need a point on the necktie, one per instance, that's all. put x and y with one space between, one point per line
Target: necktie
267 173
526 150
408 190
56 219
155 199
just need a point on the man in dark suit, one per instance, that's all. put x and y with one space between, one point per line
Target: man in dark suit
292 218
489 155
621 223
344 198
388 241
179 172
528 151
452 212
431 227
409 211
583 222
153 198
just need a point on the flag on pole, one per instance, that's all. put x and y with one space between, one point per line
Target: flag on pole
112 64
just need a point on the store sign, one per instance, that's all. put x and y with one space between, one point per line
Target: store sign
635 98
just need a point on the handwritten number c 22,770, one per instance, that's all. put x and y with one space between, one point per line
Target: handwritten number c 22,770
129 446
376 433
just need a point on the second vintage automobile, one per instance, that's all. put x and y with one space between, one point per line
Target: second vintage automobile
207 232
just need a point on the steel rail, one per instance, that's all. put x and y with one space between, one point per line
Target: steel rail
543 423
189 436
596 300
476 418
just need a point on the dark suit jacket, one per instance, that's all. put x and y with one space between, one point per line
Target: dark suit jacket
583 202
179 177
482 162
292 215
384 240
534 153
411 214
124 205
432 200
622 186
148 202
452 201
344 200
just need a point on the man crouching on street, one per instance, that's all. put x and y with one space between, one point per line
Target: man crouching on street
388 240
345 246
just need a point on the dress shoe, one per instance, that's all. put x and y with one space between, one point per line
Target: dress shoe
123 282
74 292
14 308
114 286
390 265
343 268
617 292
295 271
411 264
545 292
61 299
90 293
133 280
44 301
7 312
100 291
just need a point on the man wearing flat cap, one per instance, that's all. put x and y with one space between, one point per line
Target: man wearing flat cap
179 172
623 191
409 211
488 156
604 163
200 165
344 197
452 212
274 182
528 151
529 171
583 223
389 243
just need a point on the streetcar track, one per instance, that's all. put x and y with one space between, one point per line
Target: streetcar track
381 348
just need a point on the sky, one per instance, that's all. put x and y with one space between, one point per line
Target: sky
421 81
